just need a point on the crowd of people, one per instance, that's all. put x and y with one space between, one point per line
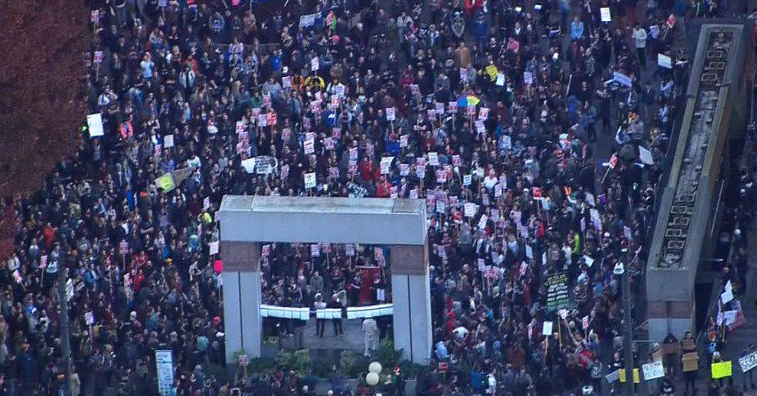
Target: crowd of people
535 132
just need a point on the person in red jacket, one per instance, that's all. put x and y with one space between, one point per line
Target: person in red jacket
384 188
367 169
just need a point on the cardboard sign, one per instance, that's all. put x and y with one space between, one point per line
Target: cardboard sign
690 362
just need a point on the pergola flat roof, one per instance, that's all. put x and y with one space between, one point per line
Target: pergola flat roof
323 219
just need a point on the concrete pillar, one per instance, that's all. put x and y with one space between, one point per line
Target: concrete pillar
241 298
411 298
670 317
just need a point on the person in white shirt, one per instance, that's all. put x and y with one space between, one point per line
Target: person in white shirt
640 42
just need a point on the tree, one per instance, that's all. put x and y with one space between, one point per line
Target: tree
41 106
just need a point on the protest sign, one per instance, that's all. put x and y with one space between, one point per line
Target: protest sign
547 329
390 114
721 370
557 291
604 13
636 379
307 20
748 362
690 362
165 182
612 377
653 370
310 180
95 125
386 164
664 61
645 156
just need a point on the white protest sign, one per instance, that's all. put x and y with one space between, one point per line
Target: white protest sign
748 362
470 209
307 21
664 61
168 141
213 247
546 328
95 125
386 164
653 370
604 13
528 78
467 179
614 376
390 114
89 317
433 159
164 363
726 296
645 156
310 180
249 165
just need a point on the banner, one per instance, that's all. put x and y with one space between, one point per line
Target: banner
557 292
164 364
271 311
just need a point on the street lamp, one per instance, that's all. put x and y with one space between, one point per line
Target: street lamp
64 322
620 271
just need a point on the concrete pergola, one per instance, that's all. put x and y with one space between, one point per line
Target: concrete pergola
248 221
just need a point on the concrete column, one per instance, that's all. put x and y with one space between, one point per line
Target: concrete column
674 317
241 298
411 298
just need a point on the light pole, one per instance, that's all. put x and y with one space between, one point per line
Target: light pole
64 325
627 325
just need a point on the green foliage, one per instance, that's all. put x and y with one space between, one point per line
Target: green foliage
411 370
352 364
299 361
387 356
271 341
261 366
322 365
